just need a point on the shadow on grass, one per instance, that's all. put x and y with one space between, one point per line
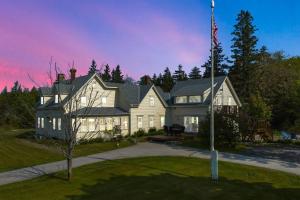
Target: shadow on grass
170 186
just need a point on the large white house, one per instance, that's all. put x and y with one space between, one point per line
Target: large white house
100 105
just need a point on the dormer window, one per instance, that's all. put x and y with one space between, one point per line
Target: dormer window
42 100
181 99
194 99
56 98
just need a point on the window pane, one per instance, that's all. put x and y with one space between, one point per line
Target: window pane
195 99
39 122
42 122
140 122
191 124
162 121
54 123
83 101
103 100
151 121
83 125
151 100
124 123
59 124
181 99
56 99
91 125
42 100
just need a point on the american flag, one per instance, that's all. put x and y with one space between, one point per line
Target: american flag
215 31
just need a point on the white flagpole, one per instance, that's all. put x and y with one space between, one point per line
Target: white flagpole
214 153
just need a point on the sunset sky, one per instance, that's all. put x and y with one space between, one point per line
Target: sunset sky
143 36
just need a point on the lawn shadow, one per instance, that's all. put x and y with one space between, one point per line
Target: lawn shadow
172 186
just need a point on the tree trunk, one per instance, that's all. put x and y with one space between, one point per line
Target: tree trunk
69 164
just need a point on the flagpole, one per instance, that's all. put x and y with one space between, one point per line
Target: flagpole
214 153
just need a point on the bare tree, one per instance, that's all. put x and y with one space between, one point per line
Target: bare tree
74 115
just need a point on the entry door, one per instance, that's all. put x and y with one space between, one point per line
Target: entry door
191 124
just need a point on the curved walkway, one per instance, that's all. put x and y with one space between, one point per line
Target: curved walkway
144 149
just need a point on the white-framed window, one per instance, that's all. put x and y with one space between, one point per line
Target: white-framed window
229 100
54 123
162 121
39 122
181 99
103 100
109 123
194 99
151 121
116 121
91 124
83 125
125 123
101 124
151 101
42 100
42 122
83 101
140 121
191 123
56 98
59 124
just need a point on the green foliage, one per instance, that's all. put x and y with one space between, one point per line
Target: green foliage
243 54
179 74
106 76
167 80
93 68
258 109
139 133
17 108
226 129
195 73
220 63
116 75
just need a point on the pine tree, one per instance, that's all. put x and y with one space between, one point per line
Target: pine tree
4 91
244 54
179 74
16 88
93 68
167 80
195 73
220 63
106 74
154 79
117 76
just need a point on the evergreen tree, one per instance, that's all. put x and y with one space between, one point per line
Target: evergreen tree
244 54
16 88
93 68
117 76
220 63
154 79
179 74
106 74
167 80
4 91
195 73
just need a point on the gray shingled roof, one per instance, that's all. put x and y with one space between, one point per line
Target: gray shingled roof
195 86
101 111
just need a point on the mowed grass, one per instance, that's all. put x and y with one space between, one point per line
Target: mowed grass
159 178
17 151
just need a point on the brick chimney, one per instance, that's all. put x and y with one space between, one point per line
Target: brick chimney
60 77
73 73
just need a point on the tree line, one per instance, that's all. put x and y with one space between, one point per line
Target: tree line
267 83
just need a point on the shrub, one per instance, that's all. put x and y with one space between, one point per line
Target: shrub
152 131
140 133
226 129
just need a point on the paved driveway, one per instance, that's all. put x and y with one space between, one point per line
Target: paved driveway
144 149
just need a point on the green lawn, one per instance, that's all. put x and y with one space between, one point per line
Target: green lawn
159 178
17 150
